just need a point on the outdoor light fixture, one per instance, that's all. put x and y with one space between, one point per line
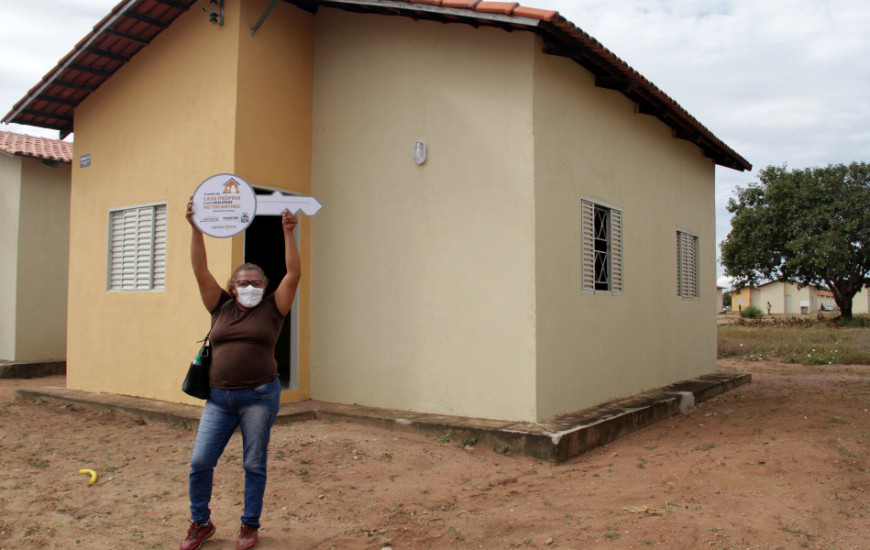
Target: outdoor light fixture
420 152
215 11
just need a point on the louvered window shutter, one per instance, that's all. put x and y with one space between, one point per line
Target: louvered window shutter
137 248
587 223
687 265
616 251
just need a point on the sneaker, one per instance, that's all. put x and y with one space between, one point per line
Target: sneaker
196 535
247 537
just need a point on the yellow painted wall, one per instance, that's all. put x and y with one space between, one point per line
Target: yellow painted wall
34 239
273 127
591 143
422 292
160 126
200 100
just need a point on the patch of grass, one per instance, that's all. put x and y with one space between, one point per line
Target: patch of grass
444 438
806 342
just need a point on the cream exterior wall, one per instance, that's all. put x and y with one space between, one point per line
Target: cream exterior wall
10 198
861 302
590 142
166 121
423 276
776 294
34 239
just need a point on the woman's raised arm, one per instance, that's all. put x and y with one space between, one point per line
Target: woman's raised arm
209 288
286 290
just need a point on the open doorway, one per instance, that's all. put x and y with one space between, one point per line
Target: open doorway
264 246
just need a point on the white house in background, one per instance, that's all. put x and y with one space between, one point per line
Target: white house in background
34 246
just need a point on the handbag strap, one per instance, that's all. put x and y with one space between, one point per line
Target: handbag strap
206 341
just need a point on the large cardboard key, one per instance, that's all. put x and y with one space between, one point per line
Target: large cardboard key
225 205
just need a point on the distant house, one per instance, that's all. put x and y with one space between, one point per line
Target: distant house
510 273
742 298
34 246
789 298
720 299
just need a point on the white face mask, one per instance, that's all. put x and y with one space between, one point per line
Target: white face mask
249 296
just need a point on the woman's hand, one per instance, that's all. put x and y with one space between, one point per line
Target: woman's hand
288 220
189 213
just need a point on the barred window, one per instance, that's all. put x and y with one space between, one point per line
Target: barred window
687 265
137 248
601 230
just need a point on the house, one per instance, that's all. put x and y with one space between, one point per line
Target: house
34 247
744 297
790 298
512 272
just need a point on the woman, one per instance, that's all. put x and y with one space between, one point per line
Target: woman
245 391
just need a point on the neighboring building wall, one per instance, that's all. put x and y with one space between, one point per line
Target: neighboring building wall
591 142
34 233
10 198
165 122
423 276
861 302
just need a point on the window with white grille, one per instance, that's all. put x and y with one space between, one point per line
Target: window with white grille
137 248
687 265
601 230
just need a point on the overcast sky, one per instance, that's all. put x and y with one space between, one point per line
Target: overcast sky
779 81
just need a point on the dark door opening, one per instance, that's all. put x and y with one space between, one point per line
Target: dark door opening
264 246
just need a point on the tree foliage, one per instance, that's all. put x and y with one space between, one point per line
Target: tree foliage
809 226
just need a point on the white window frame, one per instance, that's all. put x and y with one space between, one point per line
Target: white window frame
687 265
602 268
137 248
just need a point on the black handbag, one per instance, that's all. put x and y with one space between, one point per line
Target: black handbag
196 382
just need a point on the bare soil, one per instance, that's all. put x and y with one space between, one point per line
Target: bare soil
779 463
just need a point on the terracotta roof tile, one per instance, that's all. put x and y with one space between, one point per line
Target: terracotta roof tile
36 147
496 7
468 4
434 2
535 13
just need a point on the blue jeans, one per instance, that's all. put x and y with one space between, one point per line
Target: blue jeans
254 411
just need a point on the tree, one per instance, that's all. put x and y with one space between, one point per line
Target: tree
809 226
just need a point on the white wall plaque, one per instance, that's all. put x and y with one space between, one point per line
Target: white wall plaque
224 205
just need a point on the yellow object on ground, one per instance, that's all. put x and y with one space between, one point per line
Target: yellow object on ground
91 473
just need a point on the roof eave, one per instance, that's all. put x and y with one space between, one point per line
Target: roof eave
561 37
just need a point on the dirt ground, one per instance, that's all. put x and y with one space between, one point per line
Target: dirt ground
780 463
